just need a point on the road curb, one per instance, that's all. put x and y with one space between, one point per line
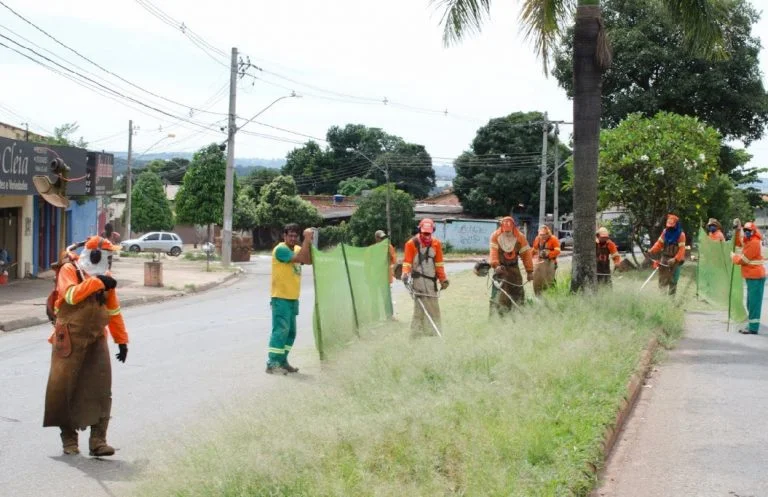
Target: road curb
634 387
28 322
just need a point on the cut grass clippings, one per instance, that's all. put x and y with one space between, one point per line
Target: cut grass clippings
513 407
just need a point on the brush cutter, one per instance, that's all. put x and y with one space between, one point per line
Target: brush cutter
417 297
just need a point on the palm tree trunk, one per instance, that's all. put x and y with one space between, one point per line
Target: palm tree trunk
587 79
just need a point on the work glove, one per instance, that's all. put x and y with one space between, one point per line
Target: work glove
407 279
444 284
530 275
737 223
655 264
109 282
498 270
122 352
544 254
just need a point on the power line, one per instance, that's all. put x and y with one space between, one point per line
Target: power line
102 67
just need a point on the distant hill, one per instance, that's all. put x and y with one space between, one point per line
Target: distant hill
243 165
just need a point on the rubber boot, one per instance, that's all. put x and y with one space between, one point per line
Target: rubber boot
98 441
69 441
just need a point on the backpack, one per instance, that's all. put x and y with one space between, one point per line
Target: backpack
50 302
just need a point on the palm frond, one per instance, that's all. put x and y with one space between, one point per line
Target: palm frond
543 21
702 22
462 17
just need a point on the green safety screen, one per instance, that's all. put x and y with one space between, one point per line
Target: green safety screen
718 278
351 292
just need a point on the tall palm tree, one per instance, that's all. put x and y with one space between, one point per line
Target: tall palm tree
543 21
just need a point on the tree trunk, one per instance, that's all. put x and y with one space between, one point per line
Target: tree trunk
587 79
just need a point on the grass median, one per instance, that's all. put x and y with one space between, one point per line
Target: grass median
498 407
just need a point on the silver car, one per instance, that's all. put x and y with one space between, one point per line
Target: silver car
155 241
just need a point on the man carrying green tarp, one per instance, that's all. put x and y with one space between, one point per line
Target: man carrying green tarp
287 258
718 280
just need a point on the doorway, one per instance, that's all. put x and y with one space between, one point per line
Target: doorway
9 237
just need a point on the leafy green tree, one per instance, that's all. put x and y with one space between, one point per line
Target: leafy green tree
63 135
244 216
371 216
200 200
313 169
652 71
653 166
151 210
280 204
544 21
502 171
355 185
257 178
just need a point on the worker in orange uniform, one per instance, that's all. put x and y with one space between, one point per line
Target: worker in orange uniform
424 273
606 250
507 246
79 391
715 230
380 236
671 246
546 248
752 270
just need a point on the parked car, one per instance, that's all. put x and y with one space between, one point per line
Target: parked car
566 242
160 241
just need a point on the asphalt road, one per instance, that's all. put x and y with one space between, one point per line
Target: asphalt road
186 358
700 426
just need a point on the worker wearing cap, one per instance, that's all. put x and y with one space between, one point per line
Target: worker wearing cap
671 246
424 271
79 391
715 230
507 246
606 250
752 270
380 236
546 248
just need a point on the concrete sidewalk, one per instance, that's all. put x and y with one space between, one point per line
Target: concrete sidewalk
699 427
22 303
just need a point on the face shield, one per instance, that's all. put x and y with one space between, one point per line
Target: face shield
93 261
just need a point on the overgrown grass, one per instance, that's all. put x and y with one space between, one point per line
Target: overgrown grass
513 407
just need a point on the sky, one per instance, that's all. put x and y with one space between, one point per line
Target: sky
342 58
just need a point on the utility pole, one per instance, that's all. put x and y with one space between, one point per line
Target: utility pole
226 238
543 185
556 188
389 190
128 181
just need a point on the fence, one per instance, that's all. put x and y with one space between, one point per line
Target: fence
351 292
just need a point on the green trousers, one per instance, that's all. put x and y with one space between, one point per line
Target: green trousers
284 314
755 290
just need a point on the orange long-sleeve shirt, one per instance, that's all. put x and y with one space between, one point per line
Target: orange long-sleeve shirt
716 236
659 246
72 291
523 250
552 245
412 253
751 257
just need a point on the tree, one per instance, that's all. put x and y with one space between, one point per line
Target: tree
652 71
371 153
371 216
244 216
355 185
544 20
502 171
257 178
62 135
200 200
280 204
151 210
672 157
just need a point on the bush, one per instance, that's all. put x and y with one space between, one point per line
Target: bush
331 236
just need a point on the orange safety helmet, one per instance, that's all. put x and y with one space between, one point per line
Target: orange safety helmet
507 224
426 225
603 231
750 226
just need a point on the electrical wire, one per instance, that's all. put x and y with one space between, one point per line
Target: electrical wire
97 64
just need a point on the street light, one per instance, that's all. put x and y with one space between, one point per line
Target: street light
385 170
129 181
229 178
